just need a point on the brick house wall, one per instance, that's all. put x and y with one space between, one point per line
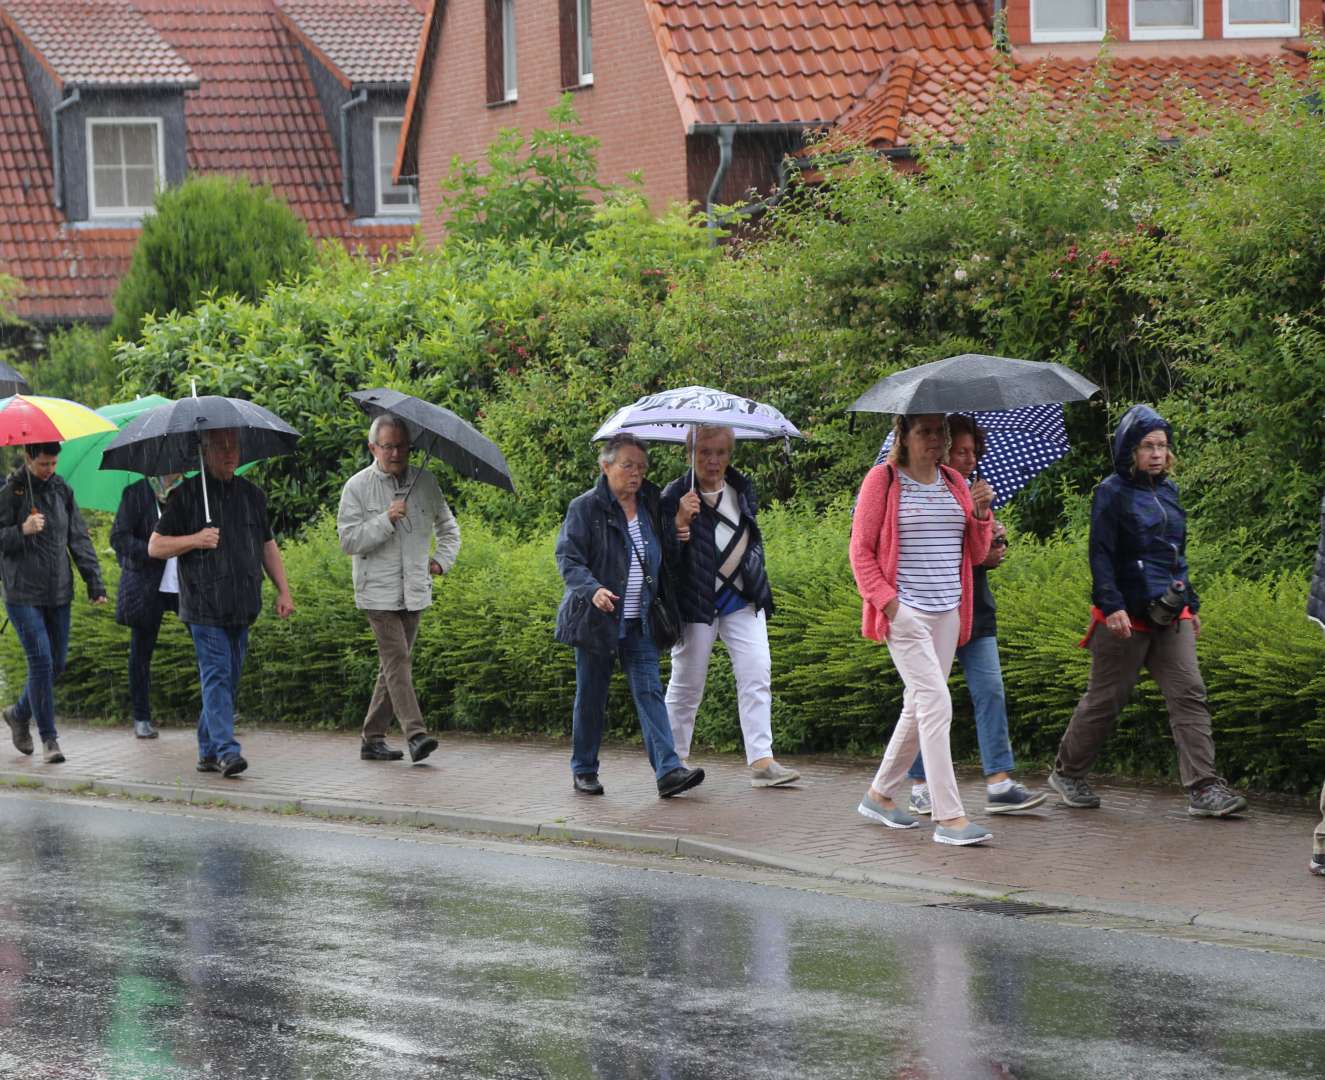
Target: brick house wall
629 107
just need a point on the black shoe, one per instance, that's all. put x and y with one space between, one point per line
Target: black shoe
207 764
232 765
1317 865
587 784
678 780
420 746
377 750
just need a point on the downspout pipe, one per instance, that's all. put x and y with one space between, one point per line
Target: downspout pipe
726 133
346 188
57 172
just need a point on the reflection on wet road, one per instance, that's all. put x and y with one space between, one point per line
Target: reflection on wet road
146 945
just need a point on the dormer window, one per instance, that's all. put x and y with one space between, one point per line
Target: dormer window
125 166
1261 18
392 198
1067 20
1165 19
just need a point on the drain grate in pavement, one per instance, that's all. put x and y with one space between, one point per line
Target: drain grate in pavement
1011 908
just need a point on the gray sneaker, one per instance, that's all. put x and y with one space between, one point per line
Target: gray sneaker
921 803
1015 798
773 775
1074 790
1214 800
1317 865
143 729
50 752
894 817
20 731
968 834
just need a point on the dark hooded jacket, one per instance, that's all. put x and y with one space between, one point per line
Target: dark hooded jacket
140 601
697 568
36 568
1316 598
1138 528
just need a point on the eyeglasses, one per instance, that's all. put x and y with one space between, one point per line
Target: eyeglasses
393 447
640 467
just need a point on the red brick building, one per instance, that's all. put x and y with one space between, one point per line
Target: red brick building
705 97
104 102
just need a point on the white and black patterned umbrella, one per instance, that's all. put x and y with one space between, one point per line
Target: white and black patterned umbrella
1019 444
668 416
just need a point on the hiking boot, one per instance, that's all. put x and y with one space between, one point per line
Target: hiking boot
773 775
922 803
892 816
1074 790
143 729
1014 799
207 764
1214 800
1317 865
377 750
679 780
968 834
420 746
232 765
50 752
20 731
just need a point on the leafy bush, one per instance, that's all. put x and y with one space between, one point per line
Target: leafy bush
210 235
79 365
486 659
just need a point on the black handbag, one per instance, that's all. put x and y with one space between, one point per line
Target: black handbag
664 618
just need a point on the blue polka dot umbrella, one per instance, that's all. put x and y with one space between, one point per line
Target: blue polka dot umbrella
1019 444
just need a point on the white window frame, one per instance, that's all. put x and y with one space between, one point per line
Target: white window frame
95 211
389 209
510 85
1038 36
584 40
1166 33
1292 28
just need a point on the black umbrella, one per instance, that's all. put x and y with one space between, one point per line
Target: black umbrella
972 382
166 439
11 382
442 434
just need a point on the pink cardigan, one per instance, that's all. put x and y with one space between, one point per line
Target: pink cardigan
874 547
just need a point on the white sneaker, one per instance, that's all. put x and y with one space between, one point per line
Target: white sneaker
773 775
921 803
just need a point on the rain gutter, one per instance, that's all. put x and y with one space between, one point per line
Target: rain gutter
361 98
726 134
57 173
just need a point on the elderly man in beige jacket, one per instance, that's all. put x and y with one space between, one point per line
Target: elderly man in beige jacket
389 515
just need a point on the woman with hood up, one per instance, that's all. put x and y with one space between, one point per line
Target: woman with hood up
1145 613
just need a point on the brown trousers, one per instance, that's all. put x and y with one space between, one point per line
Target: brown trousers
1170 656
393 696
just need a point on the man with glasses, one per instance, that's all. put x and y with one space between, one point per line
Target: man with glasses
389 516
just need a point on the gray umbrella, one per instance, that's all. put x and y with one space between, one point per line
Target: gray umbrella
973 382
12 382
442 434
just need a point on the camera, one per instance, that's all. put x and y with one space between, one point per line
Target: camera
1168 607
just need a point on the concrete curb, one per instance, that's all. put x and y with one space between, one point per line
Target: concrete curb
699 847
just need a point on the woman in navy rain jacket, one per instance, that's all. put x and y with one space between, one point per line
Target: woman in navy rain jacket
1145 613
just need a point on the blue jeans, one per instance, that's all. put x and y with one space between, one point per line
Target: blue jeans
220 652
593 674
984 678
44 634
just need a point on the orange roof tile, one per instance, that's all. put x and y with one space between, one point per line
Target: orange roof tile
366 41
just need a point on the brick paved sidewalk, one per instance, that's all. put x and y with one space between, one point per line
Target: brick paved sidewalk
1139 854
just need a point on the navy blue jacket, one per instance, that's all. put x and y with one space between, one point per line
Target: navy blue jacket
697 567
1316 598
139 601
594 552
1138 528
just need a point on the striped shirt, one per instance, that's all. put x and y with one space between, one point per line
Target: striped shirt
931 526
630 605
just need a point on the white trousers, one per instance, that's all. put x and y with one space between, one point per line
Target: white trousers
745 633
922 645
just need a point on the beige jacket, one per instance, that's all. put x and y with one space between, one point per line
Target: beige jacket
391 560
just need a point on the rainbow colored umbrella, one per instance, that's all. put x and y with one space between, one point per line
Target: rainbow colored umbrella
25 418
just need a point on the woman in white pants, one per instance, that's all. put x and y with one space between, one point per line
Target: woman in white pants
917 535
722 592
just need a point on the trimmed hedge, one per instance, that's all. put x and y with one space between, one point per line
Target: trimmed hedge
486 660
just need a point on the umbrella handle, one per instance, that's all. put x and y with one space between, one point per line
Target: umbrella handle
427 455
202 475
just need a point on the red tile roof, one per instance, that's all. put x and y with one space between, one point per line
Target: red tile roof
801 61
363 41
254 113
97 43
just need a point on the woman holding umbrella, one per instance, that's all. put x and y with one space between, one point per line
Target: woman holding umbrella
40 529
917 535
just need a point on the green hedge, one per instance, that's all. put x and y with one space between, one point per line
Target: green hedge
486 660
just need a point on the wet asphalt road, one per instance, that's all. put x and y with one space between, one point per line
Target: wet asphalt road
144 944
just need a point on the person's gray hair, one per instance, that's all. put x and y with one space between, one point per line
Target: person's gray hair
386 419
608 453
699 431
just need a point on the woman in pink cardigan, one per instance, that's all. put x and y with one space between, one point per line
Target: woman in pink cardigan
917 533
